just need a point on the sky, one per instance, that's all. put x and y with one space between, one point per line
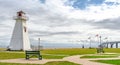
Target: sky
62 21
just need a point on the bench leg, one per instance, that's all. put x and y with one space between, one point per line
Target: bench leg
40 57
27 57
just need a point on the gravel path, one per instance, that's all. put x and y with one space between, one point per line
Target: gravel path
74 59
30 61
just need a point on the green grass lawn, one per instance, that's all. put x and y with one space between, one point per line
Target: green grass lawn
49 63
11 55
69 51
52 57
54 53
15 55
78 51
60 63
98 56
110 54
60 53
114 62
112 50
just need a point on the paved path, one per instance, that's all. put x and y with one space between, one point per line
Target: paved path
74 59
30 61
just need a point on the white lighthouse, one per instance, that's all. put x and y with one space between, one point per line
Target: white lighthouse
20 39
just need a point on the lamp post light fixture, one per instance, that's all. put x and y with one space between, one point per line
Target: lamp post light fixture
89 42
38 44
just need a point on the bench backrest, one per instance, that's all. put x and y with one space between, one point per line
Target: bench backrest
32 52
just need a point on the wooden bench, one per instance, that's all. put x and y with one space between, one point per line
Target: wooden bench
30 54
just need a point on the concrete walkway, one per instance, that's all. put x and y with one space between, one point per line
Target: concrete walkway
74 59
30 61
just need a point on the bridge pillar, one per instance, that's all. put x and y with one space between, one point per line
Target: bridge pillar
111 46
116 45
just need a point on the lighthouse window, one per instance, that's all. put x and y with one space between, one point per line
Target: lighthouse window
25 29
19 14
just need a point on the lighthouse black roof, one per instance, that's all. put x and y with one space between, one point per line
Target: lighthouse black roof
21 12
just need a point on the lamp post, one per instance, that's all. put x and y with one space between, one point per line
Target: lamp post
100 40
90 42
38 44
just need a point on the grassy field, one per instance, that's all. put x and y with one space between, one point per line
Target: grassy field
112 50
14 55
58 54
49 63
52 57
52 53
11 55
98 56
55 53
117 54
69 51
114 62
78 51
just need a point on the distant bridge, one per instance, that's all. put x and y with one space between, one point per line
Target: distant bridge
106 44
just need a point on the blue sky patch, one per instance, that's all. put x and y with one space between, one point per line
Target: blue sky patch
112 3
109 3
82 4
42 1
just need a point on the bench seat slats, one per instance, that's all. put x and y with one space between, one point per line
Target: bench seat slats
33 53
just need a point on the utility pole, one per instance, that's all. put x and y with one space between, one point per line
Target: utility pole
100 40
38 44
89 42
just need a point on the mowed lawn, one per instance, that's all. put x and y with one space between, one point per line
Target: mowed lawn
112 50
113 62
98 56
15 55
55 53
78 51
11 55
48 53
69 51
49 63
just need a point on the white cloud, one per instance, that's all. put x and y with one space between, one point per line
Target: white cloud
56 17
118 1
93 12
